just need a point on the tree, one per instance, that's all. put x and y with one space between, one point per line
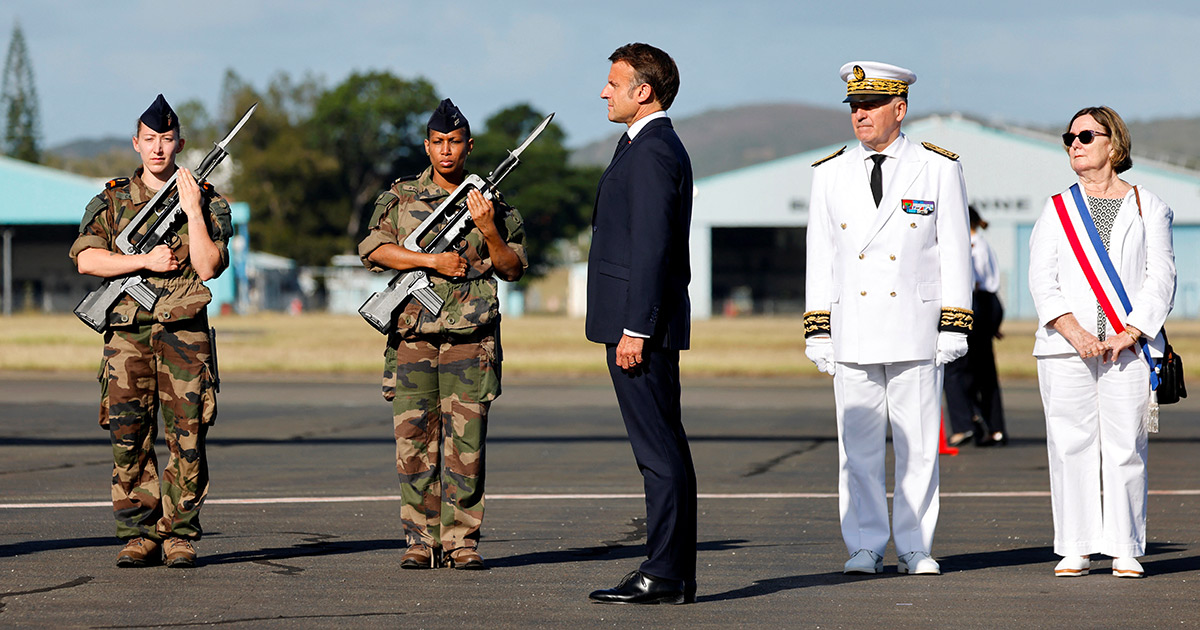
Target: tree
293 187
18 100
373 124
554 198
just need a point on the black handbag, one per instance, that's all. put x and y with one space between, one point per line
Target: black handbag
1170 377
1170 366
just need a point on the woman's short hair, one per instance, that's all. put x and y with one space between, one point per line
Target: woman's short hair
1118 134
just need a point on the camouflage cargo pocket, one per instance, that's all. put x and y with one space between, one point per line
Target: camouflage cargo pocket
389 372
208 396
102 377
489 368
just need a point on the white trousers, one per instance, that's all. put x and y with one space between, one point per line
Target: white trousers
908 394
1096 437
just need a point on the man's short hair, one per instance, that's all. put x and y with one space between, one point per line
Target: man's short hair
653 67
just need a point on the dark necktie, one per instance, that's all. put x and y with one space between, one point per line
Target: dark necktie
877 178
621 144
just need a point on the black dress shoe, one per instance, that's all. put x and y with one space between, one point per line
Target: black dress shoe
640 588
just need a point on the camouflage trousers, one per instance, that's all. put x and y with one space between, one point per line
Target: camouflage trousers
441 387
147 368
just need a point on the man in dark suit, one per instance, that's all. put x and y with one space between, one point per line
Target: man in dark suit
638 307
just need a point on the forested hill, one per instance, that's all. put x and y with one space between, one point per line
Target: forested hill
726 139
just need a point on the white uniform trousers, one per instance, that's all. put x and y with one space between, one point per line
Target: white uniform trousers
868 396
1096 437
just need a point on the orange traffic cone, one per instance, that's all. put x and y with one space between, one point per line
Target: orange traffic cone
943 448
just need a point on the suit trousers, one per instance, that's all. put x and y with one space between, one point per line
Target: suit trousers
649 402
1098 447
972 385
870 396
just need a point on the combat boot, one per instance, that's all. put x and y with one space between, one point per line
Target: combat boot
467 559
418 557
138 552
179 553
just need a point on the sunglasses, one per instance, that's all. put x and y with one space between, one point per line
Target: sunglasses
1085 137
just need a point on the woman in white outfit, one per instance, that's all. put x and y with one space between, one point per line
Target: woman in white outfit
1095 382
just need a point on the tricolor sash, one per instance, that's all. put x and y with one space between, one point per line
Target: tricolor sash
1097 266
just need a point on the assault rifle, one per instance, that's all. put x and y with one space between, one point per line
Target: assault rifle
94 308
380 309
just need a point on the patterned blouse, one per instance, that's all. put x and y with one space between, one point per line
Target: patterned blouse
1104 214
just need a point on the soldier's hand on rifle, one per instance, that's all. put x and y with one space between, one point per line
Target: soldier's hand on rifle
161 259
189 193
449 264
482 212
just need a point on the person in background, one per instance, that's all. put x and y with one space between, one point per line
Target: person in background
972 387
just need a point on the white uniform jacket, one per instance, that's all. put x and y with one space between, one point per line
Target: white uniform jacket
1141 252
885 275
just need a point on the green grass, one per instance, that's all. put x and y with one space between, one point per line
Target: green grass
323 344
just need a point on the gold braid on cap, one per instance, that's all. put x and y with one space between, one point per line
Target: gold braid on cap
891 87
816 323
956 320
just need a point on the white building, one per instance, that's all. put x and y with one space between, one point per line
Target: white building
749 225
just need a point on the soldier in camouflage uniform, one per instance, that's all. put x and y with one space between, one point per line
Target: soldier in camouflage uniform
157 360
442 372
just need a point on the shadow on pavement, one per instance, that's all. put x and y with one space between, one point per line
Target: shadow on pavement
38 546
793 582
599 552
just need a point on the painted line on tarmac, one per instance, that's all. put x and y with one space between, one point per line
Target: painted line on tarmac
564 497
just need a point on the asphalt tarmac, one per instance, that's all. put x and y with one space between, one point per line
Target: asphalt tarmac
302 525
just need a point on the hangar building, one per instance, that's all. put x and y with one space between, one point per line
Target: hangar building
749 225
40 212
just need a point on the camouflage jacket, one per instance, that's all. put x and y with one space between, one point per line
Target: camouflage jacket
183 293
470 302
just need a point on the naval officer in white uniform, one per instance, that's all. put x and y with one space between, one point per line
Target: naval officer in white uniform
888 301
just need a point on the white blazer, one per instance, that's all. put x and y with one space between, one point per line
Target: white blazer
885 274
1141 252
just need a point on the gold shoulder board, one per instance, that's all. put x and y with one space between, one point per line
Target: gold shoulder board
939 150
829 157
115 183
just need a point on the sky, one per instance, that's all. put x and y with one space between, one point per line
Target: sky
98 65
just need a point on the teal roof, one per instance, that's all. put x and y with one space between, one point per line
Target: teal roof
40 195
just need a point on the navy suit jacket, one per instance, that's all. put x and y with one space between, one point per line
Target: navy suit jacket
638 266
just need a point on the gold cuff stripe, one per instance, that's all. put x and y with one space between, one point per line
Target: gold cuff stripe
816 323
877 86
956 320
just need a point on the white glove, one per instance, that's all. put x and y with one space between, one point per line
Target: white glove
819 350
950 346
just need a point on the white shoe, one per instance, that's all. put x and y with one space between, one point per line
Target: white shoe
918 563
1127 568
864 561
1075 566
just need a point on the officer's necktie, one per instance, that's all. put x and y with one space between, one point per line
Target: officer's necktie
877 177
621 144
